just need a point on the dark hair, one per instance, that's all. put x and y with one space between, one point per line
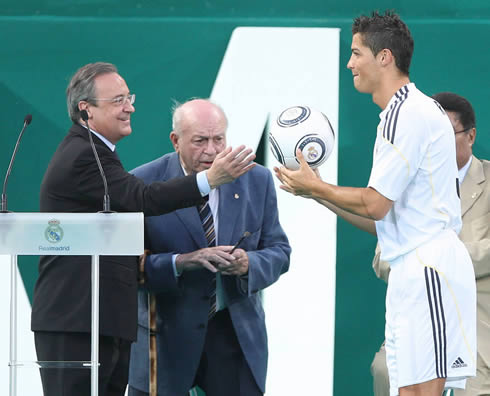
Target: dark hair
386 31
459 105
82 86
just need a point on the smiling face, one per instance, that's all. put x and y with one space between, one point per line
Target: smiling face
199 135
364 65
111 120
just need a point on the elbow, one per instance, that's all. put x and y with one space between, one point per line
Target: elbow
376 214
377 210
377 206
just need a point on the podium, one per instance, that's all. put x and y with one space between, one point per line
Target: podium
87 234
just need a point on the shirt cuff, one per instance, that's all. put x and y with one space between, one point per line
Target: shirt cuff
202 183
243 281
176 273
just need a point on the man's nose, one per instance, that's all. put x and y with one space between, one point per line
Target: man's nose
211 147
349 64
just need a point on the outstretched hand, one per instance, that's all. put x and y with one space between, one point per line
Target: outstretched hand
298 182
230 164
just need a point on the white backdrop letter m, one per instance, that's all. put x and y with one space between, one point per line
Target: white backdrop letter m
265 70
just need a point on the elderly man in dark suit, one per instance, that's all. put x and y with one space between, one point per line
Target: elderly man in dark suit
210 327
72 183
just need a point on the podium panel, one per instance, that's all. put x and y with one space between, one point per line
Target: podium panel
91 234
71 234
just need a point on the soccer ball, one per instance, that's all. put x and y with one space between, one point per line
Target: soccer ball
304 128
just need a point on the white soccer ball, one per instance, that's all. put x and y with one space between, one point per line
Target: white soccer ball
304 128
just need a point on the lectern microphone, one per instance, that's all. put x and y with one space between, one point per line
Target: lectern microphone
3 208
107 201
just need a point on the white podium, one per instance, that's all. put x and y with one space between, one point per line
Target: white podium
89 234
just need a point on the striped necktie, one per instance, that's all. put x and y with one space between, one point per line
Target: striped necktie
208 226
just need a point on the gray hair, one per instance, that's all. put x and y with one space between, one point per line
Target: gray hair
177 113
176 116
82 86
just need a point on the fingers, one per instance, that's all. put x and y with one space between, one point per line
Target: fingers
209 266
238 266
241 160
230 164
287 189
209 258
246 169
300 157
242 154
278 173
224 153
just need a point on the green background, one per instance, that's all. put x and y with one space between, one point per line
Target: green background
172 50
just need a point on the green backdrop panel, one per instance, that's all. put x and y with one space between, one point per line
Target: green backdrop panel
173 59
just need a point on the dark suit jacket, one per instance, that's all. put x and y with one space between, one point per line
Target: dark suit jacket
247 204
72 183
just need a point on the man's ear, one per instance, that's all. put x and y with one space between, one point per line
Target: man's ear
472 134
174 138
83 105
385 57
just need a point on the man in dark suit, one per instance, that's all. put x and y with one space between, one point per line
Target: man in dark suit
221 348
72 183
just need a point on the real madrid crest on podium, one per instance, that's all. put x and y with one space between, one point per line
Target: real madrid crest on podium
54 232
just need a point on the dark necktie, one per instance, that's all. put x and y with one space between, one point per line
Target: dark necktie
208 226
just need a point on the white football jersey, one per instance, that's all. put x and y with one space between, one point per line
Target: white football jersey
414 165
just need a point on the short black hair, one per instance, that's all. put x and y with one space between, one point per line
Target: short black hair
459 105
386 31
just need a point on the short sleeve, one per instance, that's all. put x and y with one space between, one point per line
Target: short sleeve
399 151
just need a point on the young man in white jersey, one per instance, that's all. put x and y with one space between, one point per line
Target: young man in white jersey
412 205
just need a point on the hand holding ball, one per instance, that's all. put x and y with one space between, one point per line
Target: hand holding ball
304 128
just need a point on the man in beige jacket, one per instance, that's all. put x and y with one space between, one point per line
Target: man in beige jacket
474 178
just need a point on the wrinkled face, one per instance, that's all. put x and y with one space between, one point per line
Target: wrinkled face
110 119
364 66
199 141
464 139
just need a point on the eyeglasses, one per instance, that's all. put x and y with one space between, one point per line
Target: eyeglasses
463 130
119 100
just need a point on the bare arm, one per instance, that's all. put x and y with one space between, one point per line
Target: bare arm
357 221
358 206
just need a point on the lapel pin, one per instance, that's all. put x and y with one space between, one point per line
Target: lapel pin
472 195
237 196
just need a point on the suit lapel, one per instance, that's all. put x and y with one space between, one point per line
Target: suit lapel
230 203
471 187
188 216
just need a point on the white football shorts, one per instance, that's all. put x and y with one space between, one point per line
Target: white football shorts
431 315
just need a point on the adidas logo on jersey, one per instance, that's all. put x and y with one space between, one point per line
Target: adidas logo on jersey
458 363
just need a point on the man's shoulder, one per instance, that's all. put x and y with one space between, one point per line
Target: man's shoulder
153 170
420 103
74 145
258 172
420 111
486 168
485 163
